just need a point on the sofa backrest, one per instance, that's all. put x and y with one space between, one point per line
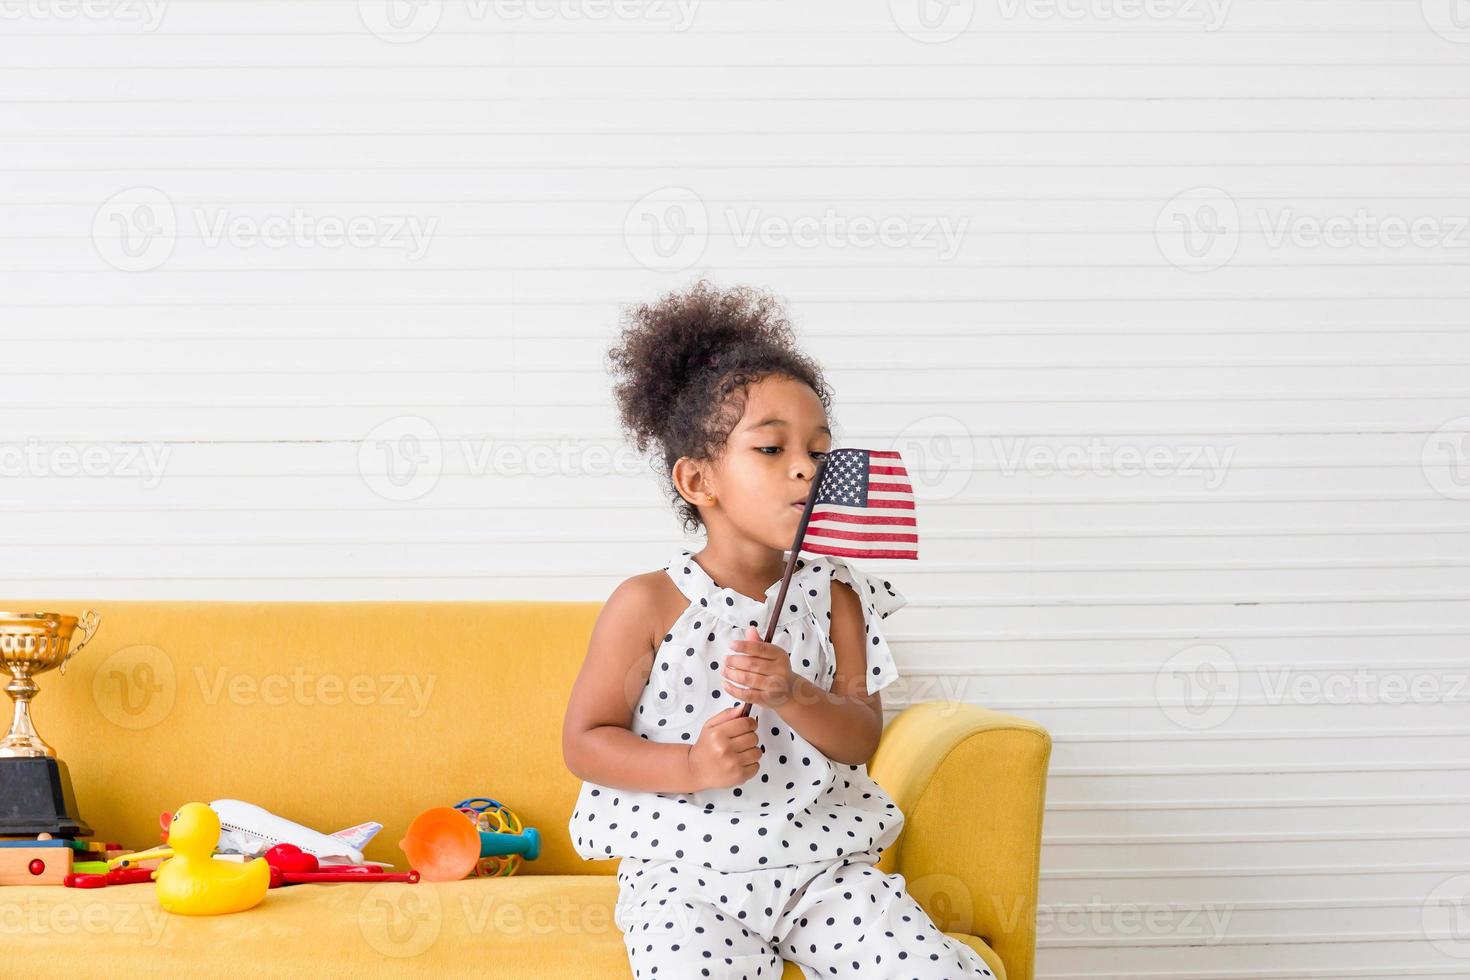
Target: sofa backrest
327 713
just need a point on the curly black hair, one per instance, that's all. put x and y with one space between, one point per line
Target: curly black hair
684 363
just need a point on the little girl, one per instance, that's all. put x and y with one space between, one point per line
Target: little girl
743 840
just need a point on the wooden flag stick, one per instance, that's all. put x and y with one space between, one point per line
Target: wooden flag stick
806 515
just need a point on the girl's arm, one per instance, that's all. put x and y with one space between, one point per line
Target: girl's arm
597 743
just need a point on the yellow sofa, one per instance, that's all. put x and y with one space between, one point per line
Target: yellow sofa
332 713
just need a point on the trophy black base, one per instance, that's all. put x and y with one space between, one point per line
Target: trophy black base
36 798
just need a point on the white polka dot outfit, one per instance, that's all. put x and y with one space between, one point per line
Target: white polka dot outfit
841 918
725 882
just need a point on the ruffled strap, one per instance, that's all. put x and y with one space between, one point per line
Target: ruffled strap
878 599
736 608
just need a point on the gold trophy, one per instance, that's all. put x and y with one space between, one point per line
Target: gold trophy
35 787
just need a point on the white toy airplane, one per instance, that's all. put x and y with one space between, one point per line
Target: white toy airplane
251 830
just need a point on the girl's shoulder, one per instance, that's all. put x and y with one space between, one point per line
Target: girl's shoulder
650 598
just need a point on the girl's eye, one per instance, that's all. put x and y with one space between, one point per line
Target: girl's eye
817 453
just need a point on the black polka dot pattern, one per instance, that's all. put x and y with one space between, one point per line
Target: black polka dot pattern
800 808
840 917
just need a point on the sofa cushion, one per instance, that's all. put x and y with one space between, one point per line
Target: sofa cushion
326 713
553 927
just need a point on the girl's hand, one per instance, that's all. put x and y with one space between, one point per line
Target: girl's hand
764 669
727 753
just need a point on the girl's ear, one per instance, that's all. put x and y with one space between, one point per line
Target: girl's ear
692 482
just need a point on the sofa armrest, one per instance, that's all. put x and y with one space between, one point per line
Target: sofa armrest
971 783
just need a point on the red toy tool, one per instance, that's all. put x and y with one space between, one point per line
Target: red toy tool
290 865
117 876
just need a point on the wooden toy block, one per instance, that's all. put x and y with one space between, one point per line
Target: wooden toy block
41 862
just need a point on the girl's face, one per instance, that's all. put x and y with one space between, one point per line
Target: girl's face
760 483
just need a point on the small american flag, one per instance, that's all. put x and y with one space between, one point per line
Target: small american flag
864 507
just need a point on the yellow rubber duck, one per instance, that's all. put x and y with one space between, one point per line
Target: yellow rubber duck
192 881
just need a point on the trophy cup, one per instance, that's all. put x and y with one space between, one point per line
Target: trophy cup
35 787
